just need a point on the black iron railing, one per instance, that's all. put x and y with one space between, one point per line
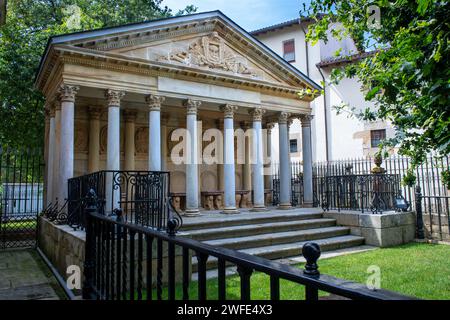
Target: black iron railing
21 195
141 196
433 216
119 265
116 253
364 192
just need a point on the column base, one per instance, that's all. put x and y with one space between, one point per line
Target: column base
258 209
230 211
284 206
307 204
192 213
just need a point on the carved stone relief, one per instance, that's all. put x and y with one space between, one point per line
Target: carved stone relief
211 52
81 137
141 140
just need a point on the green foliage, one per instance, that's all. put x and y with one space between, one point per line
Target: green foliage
409 179
22 42
408 76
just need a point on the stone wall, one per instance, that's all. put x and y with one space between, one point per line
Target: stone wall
64 246
381 230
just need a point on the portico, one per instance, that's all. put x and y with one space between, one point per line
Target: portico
117 99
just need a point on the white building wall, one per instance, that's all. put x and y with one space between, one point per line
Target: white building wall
347 136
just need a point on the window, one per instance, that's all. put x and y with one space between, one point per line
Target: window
289 50
293 146
376 136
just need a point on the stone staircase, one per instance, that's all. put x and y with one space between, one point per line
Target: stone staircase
273 235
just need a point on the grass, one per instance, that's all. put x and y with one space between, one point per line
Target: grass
17 225
417 269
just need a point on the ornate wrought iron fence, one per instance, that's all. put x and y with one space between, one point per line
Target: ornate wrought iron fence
433 216
142 197
21 195
374 192
296 184
120 259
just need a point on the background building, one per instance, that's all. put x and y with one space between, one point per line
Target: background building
334 136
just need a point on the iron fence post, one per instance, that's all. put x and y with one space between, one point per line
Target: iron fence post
419 217
88 291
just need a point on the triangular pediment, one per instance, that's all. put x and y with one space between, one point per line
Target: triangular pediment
208 52
206 43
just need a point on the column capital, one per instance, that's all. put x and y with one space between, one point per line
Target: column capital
114 97
129 115
154 102
50 110
257 113
283 117
67 93
290 121
305 119
95 112
57 104
269 127
228 110
192 105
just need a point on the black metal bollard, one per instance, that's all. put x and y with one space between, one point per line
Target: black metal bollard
89 260
172 226
311 252
420 234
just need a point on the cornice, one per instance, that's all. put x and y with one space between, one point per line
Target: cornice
121 63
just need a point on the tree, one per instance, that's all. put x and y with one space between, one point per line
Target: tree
22 42
408 76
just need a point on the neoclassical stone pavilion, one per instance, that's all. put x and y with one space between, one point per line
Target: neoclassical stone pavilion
115 95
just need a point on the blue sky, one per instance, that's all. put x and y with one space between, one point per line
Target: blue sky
249 14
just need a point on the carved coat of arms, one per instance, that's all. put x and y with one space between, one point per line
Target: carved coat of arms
211 51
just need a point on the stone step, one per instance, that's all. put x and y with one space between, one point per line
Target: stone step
263 240
281 251
259 228
221 220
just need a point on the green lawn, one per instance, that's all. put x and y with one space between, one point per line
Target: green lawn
17 225
417 269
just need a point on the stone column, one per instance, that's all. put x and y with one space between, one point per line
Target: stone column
247 167
220 177
67 94
228 166
258 166
113 147
164 120
51 156
94 139
268 176
285 166
154 131
130 119
56 175
307 161
192 187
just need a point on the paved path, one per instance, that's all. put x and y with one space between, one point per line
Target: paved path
24 276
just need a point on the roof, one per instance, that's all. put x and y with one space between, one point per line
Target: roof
346 59
136 27
282 25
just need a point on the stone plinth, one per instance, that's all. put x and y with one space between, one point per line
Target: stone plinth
64 247
381 230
